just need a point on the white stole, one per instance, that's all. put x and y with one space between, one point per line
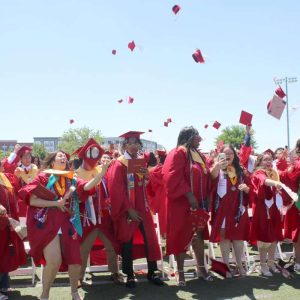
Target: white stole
222 185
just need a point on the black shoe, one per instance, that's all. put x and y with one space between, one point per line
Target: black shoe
155 278
130 283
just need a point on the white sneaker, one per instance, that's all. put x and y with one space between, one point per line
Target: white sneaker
264 270
3 297
297 267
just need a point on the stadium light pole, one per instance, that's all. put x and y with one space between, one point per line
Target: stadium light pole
287 80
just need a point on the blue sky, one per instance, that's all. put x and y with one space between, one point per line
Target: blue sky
56 64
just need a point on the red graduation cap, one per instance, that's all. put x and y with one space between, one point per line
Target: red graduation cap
169 120
198 219
280 93
149 130
23 150
245 118
71 121
161 152
131 134
131 45
114 52
216 125
166 124
176 8
219 267
269 151
130 100
76 151
120 100
197 56
205 126
91 152
109 153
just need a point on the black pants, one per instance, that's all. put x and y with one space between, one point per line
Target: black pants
4 281
127 261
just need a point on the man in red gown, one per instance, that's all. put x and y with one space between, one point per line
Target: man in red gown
130 211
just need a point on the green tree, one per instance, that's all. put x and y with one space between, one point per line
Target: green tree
235 135
74 138
39 150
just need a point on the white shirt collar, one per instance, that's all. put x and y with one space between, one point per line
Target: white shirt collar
127 155
28 168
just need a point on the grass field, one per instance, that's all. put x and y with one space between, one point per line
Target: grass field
252 287
99 287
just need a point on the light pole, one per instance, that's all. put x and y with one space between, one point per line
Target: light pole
280 81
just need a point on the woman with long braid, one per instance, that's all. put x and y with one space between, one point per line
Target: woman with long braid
187 179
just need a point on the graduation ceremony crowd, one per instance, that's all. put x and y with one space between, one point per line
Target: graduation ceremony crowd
226 197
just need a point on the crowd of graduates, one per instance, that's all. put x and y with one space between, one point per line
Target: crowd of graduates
228 196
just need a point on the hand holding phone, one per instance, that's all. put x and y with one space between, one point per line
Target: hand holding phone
222 160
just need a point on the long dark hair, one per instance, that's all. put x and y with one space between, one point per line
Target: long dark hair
236 161
186 135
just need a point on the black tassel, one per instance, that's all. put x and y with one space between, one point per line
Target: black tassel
70 232
40 225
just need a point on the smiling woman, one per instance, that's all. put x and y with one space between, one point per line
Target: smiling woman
54 225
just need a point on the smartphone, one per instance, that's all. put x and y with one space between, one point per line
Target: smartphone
221 156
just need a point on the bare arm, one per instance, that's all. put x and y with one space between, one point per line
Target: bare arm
38 202
214 171
93 182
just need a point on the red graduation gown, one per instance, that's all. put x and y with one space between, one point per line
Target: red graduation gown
228 208
10 261
263 228
177 180
120 203
157 196
39 238
292 217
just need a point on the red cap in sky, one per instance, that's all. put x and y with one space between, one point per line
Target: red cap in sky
216 125
197 56
130 100
131 45
280 93
176 8
245 118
